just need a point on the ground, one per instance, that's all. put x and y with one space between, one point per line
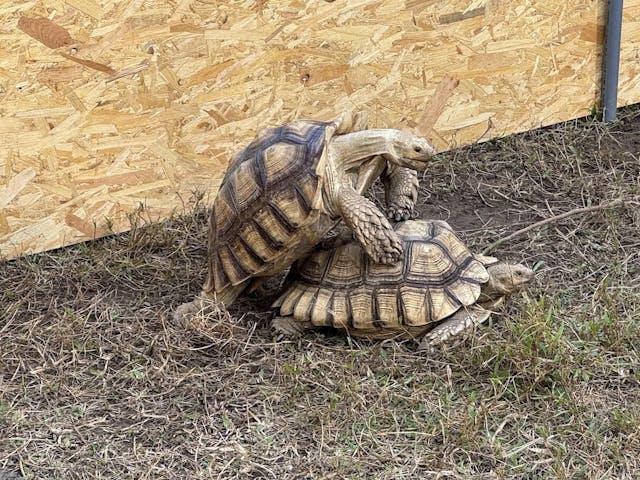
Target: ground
96 381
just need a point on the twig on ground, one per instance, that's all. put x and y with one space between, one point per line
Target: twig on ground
602 206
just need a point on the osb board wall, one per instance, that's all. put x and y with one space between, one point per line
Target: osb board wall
108 105
629 88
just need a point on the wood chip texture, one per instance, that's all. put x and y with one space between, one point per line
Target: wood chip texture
107 106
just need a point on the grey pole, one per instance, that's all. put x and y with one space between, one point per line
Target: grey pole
612 60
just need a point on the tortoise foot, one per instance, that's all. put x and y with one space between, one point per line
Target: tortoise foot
398 214
443 332
386 249
460 322
184 313
401 192
287 326
370 227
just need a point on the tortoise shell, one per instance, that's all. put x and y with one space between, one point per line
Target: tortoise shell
265 200
343 288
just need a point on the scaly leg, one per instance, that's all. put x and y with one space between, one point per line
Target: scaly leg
401 192
463 320
370 227
288 326
185 312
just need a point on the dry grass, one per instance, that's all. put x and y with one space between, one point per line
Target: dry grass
95 382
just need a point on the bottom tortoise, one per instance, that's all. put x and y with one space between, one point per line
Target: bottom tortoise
439 288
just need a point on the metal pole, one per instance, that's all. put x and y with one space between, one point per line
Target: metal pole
612 60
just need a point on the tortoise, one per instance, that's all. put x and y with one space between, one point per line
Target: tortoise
293 183
439 288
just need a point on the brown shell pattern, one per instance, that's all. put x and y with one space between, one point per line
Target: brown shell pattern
343 288
265 197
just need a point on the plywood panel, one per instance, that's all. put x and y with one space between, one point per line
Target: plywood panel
629 87
107 104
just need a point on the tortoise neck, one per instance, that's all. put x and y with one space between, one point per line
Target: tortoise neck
489 291
350 149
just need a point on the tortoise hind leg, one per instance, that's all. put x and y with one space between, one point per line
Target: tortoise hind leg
463 320
289 326
268 285
339 236
370 227
185 312
228 294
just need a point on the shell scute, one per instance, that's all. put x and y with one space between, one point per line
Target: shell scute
287 208
360 299
414 308
281 160
224 215
232 268
270 224
260 242
340 310
383 274
442 303
344 267
313 269
247 187
288 303
304 304
387 307
245 255
320 315
268 195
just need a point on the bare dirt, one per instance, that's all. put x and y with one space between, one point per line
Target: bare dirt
96 381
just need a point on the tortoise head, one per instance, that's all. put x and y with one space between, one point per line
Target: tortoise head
409 151
505 278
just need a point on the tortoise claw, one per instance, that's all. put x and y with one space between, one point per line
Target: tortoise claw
401 193
400 214
386 249
370 227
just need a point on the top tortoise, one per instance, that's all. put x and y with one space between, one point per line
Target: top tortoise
293 183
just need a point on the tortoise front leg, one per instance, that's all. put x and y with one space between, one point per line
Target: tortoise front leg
289 327
370 227
401 192
463 320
